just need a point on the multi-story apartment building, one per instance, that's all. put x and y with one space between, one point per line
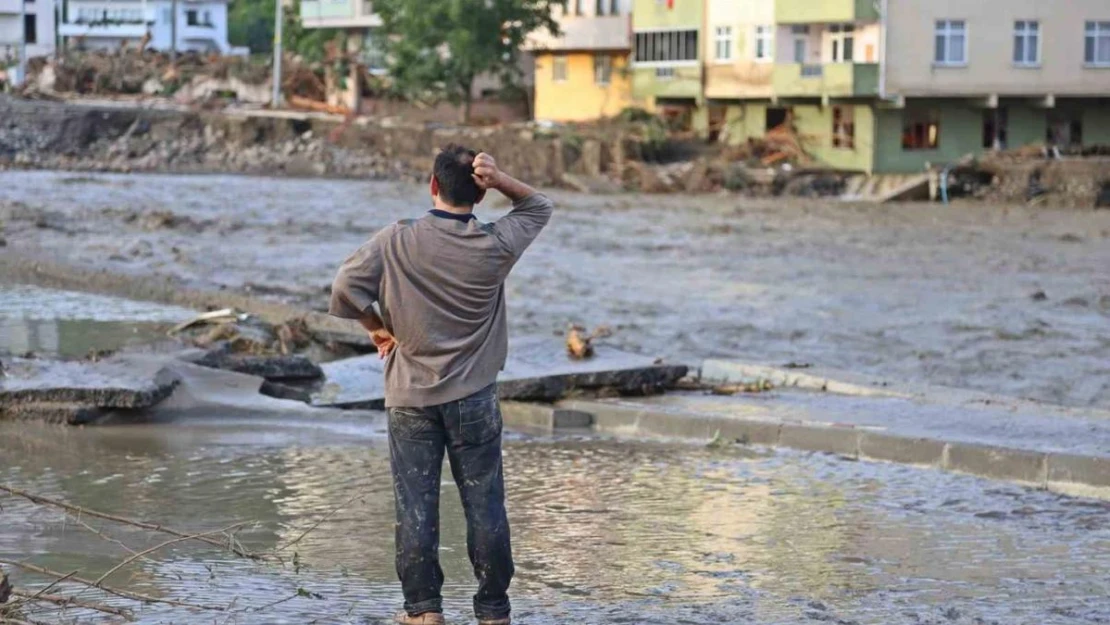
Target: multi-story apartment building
583 73
37 22
104 24
891 85
667 56
961 77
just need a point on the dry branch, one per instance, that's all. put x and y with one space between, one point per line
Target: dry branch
72 602
126 594
154 527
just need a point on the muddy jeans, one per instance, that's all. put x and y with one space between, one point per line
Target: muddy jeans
470 431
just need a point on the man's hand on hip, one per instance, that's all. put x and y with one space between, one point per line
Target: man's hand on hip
384 341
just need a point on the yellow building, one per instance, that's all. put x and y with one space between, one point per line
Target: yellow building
583 74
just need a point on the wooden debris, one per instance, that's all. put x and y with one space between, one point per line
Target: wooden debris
306 104
578 346
757 386
5 588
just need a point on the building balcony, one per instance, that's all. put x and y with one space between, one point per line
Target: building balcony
666 81
339 14
610 32
125 30
834 80
825 11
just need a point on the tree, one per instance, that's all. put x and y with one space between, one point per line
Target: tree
436 48
251 24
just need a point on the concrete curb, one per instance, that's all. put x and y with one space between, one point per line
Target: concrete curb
1077 475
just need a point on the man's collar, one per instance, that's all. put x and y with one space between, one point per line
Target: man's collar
462 217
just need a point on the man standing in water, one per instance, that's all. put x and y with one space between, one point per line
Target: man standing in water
439 282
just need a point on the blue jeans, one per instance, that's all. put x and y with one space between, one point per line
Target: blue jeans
470 432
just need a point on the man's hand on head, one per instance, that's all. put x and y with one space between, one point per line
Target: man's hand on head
486 174
384 341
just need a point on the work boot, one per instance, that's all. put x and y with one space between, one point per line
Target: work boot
505 620
427 618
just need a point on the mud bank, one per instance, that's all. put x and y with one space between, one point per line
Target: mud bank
115 138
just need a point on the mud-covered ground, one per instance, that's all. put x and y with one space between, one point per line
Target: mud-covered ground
1003 299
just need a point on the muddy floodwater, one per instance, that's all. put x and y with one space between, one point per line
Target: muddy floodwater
604 531
1002 299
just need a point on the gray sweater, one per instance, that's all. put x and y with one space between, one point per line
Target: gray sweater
440 284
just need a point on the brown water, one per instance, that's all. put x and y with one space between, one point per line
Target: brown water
604 531
923 293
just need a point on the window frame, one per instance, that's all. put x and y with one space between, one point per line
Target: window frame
603 62
722 35
925 118
666 47
559 61
948 32
844 127
1023 32
841 34
1095 31
764 34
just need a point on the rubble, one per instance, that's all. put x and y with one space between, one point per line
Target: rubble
80 392
537 370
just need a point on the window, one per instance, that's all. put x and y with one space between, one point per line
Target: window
30 29
578 7
614 7
843 42
724 43
764 43
844 127
995 128
920 130
668 46
603 68
1027 42
559 68
801 43
191 18
664 73
1097 46
951 43
600 8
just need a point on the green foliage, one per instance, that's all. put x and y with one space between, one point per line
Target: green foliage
436 49
251 24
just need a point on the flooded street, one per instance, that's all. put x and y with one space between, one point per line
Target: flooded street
1012 301
604 531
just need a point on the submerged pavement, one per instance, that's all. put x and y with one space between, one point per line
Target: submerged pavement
605 531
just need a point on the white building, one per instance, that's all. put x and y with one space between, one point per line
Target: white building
98 24
39 22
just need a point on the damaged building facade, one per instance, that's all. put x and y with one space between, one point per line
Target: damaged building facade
877 86
102 24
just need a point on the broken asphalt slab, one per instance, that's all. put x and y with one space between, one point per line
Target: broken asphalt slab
79 392
538 369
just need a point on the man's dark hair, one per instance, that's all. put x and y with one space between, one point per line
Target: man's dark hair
454 171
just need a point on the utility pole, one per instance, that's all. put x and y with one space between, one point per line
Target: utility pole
22 41
173 31
275 99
